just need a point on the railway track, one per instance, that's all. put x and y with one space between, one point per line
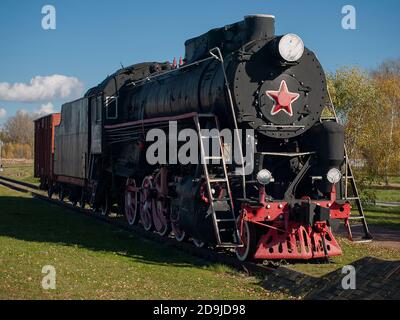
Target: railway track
21 183
224 257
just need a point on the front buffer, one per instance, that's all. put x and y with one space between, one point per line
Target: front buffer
298 231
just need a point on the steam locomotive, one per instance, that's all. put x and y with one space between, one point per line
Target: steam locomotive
269 91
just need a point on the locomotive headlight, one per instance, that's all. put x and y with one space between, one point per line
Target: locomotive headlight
291 47
334 175
264 177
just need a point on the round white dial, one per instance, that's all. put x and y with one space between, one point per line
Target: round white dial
291 47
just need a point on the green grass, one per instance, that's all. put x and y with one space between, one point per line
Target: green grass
98 261
383 216
94 260
386 195
394 180
22 172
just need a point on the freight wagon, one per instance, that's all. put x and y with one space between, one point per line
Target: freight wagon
44 148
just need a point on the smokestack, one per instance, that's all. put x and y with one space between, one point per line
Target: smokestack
260 26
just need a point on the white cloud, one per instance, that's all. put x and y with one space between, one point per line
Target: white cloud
3 113
45 109
42 88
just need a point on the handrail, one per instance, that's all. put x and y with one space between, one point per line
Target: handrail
218 56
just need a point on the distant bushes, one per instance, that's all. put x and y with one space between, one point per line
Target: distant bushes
17 151
17 137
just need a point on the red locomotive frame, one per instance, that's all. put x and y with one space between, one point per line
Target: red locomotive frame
287 239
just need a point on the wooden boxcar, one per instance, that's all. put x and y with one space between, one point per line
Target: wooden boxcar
44 148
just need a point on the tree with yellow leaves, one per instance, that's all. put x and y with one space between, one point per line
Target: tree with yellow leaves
368 105
388 84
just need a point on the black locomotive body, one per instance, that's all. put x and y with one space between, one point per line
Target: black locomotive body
239 77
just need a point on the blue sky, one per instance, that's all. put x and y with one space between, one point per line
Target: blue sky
93 37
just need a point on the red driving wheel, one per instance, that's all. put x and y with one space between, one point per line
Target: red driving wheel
179 233
147 203
160 218
162 212
131 202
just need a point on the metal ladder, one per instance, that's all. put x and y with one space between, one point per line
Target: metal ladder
217 54
221 210
349 179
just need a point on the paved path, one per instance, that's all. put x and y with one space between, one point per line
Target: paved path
387 204
383 236
377 279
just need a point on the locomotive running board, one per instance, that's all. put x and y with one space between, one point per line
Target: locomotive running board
349 179
224 226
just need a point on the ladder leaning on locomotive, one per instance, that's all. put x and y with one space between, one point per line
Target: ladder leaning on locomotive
241 76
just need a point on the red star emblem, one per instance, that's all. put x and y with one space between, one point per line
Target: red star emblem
283 99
